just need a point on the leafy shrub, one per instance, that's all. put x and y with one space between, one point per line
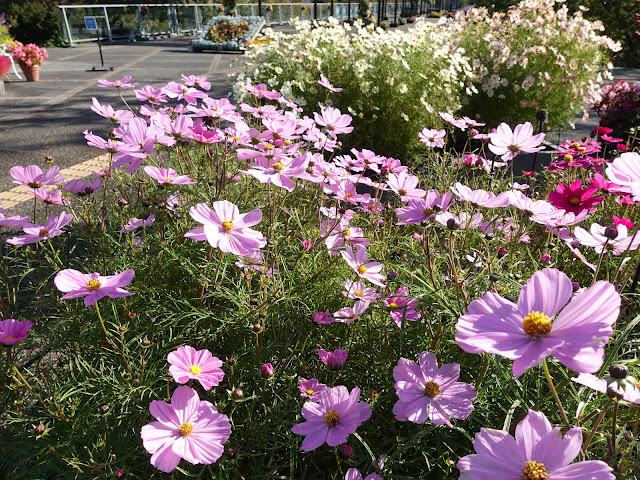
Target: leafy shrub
393 83
534 56
225 31
35 21
619 108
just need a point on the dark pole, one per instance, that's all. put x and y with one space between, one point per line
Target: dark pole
99 45
349 12
315 9
332 14
395 14
259 8
402 12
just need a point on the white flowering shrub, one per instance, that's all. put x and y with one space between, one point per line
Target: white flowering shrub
533 56
393 82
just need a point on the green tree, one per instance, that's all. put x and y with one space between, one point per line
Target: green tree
34 21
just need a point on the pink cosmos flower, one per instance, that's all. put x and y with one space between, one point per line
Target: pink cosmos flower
405 185
350 314
508 144
625 171
187 428
168 175
462 220
538 451
188 363
447 117
358 291
354 474
402 307
334 360
79 187
334 121
347 192
136 223
323 318
426 391
92 286
525 333
15 221
31 176
367 270
198 81
36 233
432 138
615 239
225 228
122 83
332 418
14 331
262 91
573 198
151 95
481 198
326 84
311 388
180 92
107 111
51 198
623 221
419 210
278 171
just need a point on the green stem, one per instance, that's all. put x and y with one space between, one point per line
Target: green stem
555 394
104 329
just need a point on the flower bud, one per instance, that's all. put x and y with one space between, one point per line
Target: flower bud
262 315
391 275
120 474
545 259
104 409
256 327
345 451
373 394
452 224
254 301
502 252
266 370
40 429
542 115
146 343
611 233
231 361
231 453
48 159
237 394
618 371
575 286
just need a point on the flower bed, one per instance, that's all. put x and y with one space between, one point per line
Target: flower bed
232 299
228 33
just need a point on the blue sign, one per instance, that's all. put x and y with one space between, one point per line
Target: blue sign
90 23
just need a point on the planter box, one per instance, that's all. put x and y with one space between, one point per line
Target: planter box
205 42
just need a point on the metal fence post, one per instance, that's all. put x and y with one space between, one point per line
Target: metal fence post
106 19
66 26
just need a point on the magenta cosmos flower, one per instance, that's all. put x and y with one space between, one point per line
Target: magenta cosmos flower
334 360
626 388
14 331
336 415
225 228
36 233
311 388
426 391
354 474
525 332
92 286
573 198
538 452
32 176
508 144
188 363
187 428
367 270
327 84
122 83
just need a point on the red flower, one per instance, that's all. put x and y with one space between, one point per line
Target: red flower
574 198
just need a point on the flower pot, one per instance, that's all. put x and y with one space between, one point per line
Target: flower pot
31 72
5 65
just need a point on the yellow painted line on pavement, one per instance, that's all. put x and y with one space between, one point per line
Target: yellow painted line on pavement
17 195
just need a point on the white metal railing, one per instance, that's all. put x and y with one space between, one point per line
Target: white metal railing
150 20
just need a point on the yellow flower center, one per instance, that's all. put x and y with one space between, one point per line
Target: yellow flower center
309 391
169 179
186 429
94 284
402 191
268 146
574 200
534 471
575 145
358 293
287 142
43 232
195 369
426 212
362 269
393 304
513 148
568 158
9 337
277 167
227 225
331 418
581 150
346 233
638 384
536 324
431 389
348 195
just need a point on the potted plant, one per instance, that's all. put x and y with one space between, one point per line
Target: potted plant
29 57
